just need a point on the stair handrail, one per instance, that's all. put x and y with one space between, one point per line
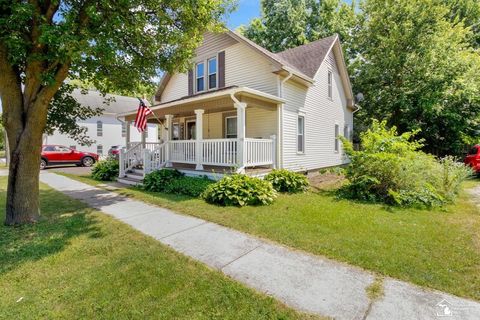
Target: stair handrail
130 158
155 159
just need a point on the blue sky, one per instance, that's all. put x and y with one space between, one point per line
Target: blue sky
246 11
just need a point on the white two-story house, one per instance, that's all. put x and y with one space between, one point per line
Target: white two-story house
244 109
105 130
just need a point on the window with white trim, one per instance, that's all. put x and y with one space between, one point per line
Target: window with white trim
231 127
212 73
337 140
301 134
99 128
124 129
330 84
200 77
99 149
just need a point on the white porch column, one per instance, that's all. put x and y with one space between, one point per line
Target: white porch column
274 151
144 138
127 134
199 139
168 123
241 131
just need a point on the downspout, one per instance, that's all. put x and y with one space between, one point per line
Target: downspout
280 121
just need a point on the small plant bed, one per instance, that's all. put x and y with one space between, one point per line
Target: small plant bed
105 170
174 182
437 248
77 262
287 181
240 190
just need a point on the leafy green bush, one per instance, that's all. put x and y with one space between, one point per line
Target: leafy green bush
287 181
188 186
173 181
105 170
156 181
391 168
240 190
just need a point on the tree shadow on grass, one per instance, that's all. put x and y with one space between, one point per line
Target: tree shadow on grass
62 220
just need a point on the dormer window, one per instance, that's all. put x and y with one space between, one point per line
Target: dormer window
200 76
212 73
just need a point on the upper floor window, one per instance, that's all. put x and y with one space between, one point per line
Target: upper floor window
212 73
200 76
330 83
99 128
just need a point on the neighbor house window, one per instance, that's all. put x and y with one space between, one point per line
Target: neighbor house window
99 128
73 147
301 134
212 73
124 129
231 127
336 138
99 149
330 81
200 76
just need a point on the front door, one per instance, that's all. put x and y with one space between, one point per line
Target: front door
191 130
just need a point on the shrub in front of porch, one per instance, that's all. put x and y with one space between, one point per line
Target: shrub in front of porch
287 181
174 182
240 190
105 170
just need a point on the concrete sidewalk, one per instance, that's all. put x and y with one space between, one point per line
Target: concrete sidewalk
308 283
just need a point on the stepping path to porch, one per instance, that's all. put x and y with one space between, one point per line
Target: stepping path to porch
308 283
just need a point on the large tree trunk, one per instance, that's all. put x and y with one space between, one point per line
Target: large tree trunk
23 180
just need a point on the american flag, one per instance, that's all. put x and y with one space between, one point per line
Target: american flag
141 118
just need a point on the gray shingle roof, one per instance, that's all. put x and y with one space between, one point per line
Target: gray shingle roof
111 103
308 57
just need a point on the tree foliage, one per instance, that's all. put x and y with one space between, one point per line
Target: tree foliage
113 45
286 24
417 70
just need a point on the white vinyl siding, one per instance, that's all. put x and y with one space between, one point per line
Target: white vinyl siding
176 88
245 67
323 113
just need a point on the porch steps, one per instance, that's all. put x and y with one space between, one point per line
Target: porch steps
132 177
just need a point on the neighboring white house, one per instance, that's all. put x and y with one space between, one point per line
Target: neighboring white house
106 130
243 108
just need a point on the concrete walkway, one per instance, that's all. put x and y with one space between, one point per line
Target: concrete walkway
308 283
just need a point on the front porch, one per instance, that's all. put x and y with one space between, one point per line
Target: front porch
228 134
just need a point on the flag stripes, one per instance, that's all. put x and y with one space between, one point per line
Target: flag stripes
141 118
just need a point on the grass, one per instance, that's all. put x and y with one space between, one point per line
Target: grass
79 263
437 248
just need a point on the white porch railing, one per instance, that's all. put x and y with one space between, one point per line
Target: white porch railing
130 158
214 152
219 152
259 152
148 145
155 159
182 151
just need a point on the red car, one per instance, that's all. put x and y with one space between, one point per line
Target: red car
473 158
55 155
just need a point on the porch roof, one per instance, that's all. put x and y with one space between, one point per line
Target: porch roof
214 101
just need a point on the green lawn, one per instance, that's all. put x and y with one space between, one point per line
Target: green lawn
78 263
438 248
